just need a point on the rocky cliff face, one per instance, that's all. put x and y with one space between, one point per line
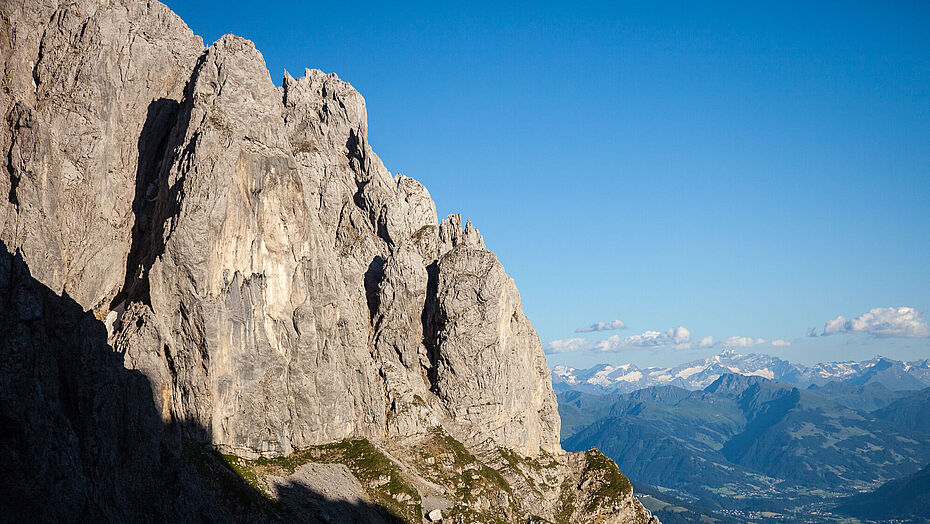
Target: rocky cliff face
244 256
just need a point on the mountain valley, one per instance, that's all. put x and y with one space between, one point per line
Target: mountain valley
744 445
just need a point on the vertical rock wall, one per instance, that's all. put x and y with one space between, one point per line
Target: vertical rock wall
247 250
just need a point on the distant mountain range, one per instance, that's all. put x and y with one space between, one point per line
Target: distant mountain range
754 438
698 374
745 447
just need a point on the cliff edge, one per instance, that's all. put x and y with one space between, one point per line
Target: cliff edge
216 300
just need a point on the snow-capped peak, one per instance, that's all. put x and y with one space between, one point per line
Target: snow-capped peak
699 374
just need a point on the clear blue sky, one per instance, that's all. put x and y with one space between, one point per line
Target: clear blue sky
740 169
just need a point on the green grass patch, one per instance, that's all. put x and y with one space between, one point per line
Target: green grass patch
596 463
242 468
515 460
477 487
487 478
379 476
604 485
232 487
566 505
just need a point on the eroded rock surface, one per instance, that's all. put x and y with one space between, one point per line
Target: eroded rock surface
86 97
243 250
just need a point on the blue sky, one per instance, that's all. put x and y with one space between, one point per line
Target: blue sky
738 169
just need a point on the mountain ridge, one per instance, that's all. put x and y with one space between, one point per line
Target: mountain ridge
698 374
746 444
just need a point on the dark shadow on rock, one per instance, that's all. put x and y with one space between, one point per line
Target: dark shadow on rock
300 499
431 322
153 143
18 117
155 202
81 438
79 429
373 277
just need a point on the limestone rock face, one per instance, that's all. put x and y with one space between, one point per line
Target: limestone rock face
84 93
490 368
286 272
242 249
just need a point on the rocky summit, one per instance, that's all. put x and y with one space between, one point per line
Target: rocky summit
217 304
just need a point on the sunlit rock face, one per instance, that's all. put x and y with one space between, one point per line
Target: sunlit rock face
293 292
249 251
240 248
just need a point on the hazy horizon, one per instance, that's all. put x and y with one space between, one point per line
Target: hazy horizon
796 355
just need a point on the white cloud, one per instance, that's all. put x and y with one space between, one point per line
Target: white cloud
566 345
678 337
904 322
741 342
602 326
